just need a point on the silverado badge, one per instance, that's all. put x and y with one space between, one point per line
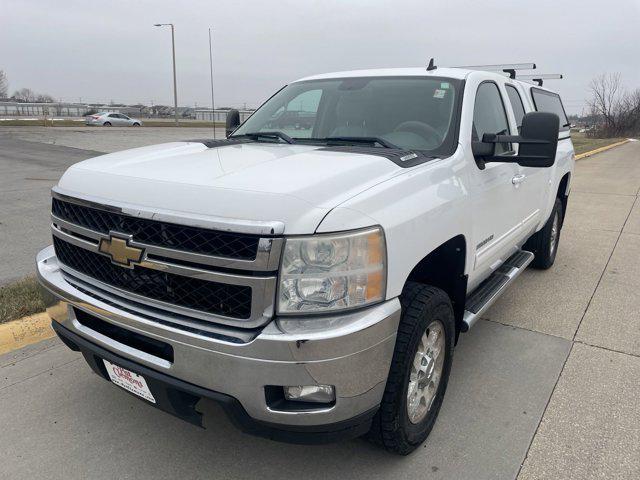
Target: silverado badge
118 248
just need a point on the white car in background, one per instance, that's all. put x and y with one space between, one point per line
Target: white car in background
108 119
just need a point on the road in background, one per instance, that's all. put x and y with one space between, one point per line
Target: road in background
107 139
549 380
28 170
32 159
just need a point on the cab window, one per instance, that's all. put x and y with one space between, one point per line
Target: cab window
516 104
550 102
490 116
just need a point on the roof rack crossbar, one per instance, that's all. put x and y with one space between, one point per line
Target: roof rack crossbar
508 68
539 78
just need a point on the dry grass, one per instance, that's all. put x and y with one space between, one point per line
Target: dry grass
19 299
583 144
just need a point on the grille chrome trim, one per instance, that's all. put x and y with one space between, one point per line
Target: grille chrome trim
262 298
168 319
267 258
253 227
267 255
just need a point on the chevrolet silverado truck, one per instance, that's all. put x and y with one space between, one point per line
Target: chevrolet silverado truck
313 271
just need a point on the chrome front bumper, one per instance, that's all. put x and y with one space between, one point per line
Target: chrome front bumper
351 352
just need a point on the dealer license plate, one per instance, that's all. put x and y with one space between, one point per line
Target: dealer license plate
129 380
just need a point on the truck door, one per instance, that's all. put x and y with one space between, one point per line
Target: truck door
532 184
546 101
496 215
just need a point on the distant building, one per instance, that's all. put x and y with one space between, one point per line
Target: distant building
207 115
62 109
20 109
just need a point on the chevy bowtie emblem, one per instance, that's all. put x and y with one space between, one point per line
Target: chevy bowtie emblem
118 248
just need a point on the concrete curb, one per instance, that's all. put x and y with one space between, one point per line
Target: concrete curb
601 149
25 331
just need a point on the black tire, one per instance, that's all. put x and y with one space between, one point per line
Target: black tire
544 244
391 427
136 124
106 124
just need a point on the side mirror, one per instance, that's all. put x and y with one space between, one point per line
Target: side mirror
233 121
544 127
538 141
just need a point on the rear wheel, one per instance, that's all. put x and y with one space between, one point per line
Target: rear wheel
106 124
419 370
544 244
136 124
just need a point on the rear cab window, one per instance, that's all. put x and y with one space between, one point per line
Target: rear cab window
545 101
516 104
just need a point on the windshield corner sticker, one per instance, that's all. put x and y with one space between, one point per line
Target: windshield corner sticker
411 156
439 93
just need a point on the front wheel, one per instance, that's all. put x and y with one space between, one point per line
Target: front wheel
544 244
419 370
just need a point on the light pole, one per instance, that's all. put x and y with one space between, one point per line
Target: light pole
173 50
213 105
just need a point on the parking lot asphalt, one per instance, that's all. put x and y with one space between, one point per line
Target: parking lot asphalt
547 385
32 159
107 139
28 170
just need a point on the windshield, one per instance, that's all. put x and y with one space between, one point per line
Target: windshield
415 113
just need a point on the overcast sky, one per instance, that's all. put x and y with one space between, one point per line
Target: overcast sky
102 51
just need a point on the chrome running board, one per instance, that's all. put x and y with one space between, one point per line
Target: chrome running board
490 290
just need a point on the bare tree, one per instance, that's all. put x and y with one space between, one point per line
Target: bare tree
24 95
605 91
630 112
617 108
45 98
4 85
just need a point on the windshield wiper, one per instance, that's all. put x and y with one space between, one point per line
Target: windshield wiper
274 134
370 140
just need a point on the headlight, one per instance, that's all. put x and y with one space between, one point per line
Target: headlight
327 272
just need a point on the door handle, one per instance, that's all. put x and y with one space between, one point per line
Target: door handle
518 179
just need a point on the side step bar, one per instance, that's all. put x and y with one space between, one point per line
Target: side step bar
489 290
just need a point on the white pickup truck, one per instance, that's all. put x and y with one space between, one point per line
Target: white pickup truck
313 271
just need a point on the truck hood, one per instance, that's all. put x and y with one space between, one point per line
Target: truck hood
295 184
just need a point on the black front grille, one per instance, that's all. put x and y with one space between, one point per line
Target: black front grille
161 234
210 297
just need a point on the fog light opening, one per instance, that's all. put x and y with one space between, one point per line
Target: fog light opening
310 393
